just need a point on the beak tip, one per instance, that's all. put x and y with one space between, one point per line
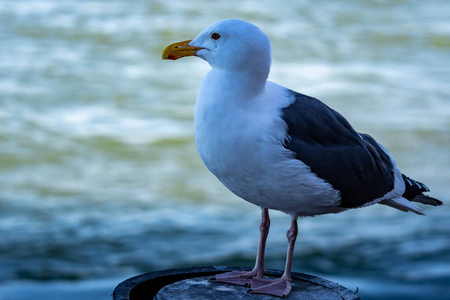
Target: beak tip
170 56
178 50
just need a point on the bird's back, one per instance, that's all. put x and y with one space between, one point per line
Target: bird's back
355 164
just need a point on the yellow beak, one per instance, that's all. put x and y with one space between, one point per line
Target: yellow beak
178 50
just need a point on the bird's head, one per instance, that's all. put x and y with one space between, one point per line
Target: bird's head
230 44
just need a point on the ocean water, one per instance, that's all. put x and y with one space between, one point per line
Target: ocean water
100 179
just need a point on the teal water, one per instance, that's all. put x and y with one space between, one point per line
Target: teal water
100 179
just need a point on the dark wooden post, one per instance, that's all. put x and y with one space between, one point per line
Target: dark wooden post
193 283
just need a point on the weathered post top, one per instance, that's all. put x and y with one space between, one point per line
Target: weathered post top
193 283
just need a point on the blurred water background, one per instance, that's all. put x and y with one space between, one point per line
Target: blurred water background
99 175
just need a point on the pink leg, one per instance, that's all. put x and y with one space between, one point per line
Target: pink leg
279 287
242 278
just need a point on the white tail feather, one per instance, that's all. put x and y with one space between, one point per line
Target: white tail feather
403 205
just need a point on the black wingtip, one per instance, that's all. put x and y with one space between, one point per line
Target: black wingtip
427 200
414 192
413 188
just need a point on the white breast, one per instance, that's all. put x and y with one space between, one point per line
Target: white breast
240 141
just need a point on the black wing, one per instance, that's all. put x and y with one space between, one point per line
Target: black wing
354 164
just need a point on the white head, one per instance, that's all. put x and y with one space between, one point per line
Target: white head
233 45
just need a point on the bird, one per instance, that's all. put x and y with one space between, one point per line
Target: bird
280 149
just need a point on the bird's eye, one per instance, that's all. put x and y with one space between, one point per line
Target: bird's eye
215 36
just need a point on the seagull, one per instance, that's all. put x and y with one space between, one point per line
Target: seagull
280 149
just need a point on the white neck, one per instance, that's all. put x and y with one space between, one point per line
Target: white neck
236 84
